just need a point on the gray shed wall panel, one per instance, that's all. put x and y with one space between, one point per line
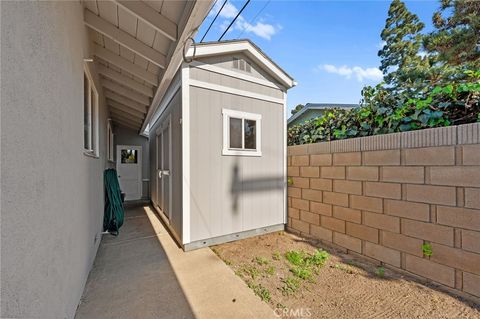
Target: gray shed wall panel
225 80
52 194
174 109
226 61
215 211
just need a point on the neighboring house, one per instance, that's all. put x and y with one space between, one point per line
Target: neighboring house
313 110
217 146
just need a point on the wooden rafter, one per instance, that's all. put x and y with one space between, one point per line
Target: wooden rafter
157 21
123 38
125 101
125 64
122 90
124 80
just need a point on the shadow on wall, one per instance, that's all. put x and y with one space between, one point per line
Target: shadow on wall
253 185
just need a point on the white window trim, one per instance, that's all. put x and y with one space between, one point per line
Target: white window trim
110 142
92 151
227 114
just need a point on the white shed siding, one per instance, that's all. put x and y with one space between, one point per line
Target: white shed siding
173 109
212 208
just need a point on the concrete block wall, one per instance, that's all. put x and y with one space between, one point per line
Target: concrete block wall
384 196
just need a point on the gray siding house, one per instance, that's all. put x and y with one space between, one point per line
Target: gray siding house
313 110
218 143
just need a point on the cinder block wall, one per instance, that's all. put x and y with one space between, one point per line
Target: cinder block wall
384 196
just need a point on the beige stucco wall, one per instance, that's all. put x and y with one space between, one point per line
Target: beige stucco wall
385 196
51 193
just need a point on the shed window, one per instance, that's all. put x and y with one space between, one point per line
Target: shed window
90 115
241 133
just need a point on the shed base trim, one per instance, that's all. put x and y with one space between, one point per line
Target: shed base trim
232 237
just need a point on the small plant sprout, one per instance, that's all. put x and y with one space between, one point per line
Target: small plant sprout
270 270
276 256
261 260
344 268
380 272
289 181
427 250
302 272
290 286
260 291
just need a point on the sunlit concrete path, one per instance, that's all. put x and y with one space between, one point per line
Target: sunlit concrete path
143 273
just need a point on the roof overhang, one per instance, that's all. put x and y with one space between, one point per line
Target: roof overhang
136 48
249 49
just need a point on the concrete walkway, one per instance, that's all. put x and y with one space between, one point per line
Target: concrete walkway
142 273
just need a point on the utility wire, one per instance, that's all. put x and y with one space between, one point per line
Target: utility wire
254 18
234 19
213 21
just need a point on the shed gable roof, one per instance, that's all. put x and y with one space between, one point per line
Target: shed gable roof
249 49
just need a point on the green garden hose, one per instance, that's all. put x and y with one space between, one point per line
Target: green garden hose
113 214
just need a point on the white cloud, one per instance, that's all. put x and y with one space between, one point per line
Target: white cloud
361 74
229 11
263 30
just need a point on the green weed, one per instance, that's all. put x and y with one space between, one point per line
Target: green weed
270 270
380 272
290 286
427 250
276 256
260 291
344 268
261 261
302 272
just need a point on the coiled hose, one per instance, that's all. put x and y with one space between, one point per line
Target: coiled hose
113 215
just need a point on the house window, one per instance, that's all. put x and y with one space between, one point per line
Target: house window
110 141
90 115
241 133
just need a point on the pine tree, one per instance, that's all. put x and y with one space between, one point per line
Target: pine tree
456 40
401 63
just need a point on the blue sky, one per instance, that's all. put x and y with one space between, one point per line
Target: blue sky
329 47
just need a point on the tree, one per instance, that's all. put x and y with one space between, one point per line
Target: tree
401 63
456 40
297 108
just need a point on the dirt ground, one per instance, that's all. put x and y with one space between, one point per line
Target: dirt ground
343 287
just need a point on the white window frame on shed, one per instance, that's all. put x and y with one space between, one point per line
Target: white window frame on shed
91 145
227 150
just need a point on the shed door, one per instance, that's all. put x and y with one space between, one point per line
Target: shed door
164 178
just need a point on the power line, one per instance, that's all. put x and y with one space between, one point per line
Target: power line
213 21
234 19
254 18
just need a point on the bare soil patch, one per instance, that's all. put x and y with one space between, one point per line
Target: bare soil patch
339 287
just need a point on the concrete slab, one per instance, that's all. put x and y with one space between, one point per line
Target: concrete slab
143 273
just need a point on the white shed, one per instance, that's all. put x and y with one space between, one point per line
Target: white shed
218 145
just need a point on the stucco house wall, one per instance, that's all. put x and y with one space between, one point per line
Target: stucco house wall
52 194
